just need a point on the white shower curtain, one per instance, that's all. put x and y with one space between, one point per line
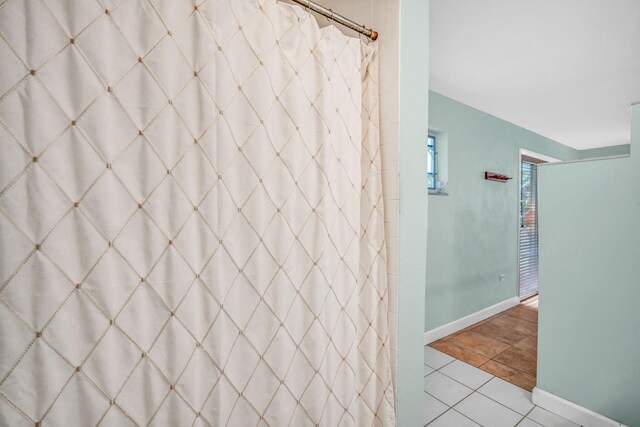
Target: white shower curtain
191 219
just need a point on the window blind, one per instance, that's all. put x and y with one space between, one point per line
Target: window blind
528 246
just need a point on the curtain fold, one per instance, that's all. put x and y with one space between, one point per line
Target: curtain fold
191 218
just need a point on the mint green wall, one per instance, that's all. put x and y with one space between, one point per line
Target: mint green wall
414 92
473 231
615 150
589 321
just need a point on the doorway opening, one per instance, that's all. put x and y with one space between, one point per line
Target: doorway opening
528 244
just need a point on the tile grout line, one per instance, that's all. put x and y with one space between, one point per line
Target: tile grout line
451 408
470 328
519 413
526 416
511 345
482 394
473 421
474 389
508 366
434 369
477 390
446 404
501 404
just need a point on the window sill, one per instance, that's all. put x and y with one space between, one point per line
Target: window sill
438 193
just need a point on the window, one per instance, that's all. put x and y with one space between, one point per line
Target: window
432 152
528 244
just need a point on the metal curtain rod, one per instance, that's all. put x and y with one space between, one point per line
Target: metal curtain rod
328 13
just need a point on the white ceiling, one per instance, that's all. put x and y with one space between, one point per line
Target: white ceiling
566 69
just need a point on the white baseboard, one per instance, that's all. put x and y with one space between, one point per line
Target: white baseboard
572 412
457 325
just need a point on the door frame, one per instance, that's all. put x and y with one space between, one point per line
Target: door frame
545 159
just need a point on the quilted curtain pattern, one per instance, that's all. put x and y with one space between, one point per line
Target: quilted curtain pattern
191 217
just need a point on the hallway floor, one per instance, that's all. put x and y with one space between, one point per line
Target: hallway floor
505 345
457 394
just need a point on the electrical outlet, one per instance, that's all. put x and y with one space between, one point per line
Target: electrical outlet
502 277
